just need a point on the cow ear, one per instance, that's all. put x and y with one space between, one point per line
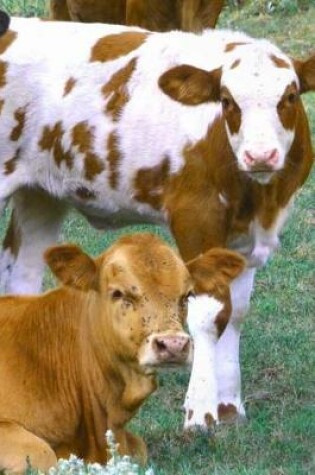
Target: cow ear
190 85
213 271
72 267
4 22
306 73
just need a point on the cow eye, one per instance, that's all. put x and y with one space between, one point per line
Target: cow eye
117 294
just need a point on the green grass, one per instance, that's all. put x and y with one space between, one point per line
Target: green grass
277 347
25 7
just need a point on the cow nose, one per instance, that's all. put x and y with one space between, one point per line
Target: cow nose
261 160
171 348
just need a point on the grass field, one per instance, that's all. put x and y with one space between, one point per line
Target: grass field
277 347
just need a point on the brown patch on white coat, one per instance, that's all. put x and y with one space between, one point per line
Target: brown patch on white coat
112 47
115 89
51 140
10 165
19 116
3 71
148 184
71 82
82 139
12 240
6 40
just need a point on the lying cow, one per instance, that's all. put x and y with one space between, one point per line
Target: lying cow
81 359
156 15
206 133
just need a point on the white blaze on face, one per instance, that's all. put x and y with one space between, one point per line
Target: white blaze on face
253 85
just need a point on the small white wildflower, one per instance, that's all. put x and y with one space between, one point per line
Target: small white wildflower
149 471
117 465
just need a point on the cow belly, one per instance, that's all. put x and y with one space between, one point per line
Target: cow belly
101 218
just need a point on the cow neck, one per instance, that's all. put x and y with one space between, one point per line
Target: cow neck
206 190
211 169
50 329
116 369
265 201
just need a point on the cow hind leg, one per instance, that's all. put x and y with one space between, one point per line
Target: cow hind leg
35 225
230 406
18 445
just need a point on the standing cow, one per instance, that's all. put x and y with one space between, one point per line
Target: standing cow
206 133
156 15
81 359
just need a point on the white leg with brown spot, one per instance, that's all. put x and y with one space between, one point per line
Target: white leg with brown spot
37 221
227 365
201 398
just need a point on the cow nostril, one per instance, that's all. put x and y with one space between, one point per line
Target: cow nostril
248 158
171 347
160 345
273 157
261 159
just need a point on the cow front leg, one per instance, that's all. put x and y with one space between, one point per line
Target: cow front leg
132 445
35 225
202 398
17 444
230 406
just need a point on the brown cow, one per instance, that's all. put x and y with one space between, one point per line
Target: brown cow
156 15
81 359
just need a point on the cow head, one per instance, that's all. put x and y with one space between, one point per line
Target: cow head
142 288
259 89
4 22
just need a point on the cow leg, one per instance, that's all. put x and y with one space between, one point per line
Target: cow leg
201 399
59 10
230 407
35 225
18 444
133 445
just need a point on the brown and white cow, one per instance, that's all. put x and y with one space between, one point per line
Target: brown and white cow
156 15
206 133
81 359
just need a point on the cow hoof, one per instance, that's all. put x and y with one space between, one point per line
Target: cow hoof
204 423
228 414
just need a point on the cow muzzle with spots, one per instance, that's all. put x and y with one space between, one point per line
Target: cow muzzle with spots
167 350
